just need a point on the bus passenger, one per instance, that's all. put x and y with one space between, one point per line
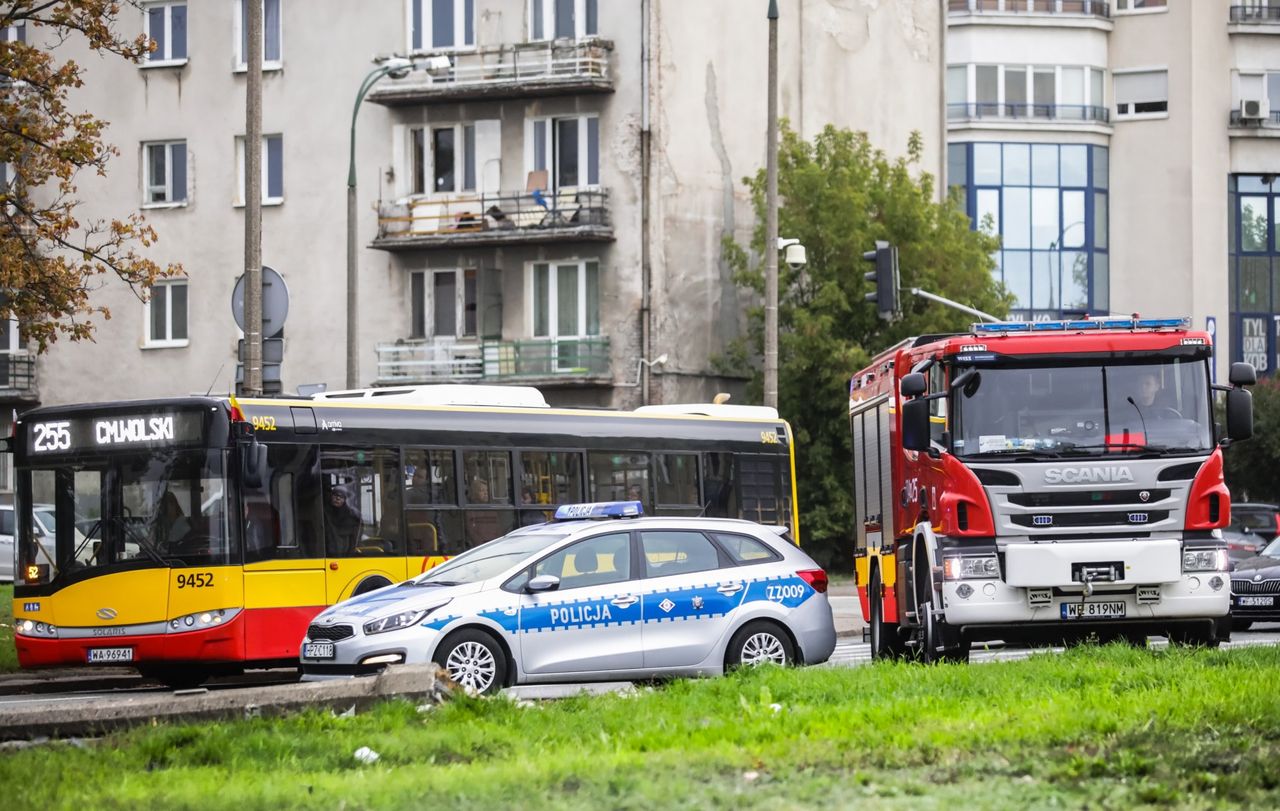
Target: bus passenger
172 524
341 521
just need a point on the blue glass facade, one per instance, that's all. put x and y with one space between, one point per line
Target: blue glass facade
1254 269
1048 204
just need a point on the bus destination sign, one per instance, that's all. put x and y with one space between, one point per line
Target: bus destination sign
114 432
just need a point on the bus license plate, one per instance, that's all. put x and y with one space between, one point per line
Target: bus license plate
1243 601
102 655
1079 611
317 650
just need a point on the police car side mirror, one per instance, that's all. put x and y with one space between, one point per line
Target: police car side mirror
543 582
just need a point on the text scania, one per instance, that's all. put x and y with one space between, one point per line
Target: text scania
580 614
137 429
1087 475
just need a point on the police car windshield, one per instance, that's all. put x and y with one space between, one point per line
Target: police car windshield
489 560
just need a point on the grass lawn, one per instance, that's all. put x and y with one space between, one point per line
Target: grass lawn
1109 727
8 654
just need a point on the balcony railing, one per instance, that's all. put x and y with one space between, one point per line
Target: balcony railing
552 68
1028 112
1270 120
1256 14
18 376
547 360
1089 8
501 218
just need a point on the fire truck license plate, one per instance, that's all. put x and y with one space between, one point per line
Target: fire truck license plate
99 655
1255 601
1080 611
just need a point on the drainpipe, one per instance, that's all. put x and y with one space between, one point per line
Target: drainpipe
646 271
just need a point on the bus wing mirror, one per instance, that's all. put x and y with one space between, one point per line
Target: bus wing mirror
255 463
1239 411
1242 374
915 425
914 385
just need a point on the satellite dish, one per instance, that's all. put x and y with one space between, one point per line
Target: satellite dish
275 302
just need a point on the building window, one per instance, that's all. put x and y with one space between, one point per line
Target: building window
14 33
563 19
1131 6
1254 269
567 149
1261 88
454 158
271 41
441 24
1142 92
166 315
456 303
167 27
1048 205
566 299
165 173
1059 92
272 169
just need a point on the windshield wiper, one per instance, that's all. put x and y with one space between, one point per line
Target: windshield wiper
1126 446
432 583
1035 453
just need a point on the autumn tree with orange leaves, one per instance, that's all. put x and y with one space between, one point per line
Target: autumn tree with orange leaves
50 260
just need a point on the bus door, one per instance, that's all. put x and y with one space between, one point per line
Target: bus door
284 566
363 534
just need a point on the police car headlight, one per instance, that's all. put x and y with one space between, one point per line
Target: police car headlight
1204 560
395 622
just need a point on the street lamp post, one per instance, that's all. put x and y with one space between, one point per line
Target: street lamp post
771 221
396 68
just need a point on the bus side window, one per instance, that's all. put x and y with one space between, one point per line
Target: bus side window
362 502
676 478
620 476
720 494
282 519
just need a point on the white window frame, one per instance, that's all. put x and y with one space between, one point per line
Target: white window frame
17 341
971 82
10 33
459 27
1131 116
550 156
553 300
460 304
148 185
549 20
237 35
165 61
150 341
240 160
428 158
1122 8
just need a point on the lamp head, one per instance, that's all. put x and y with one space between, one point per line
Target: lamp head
397 67
795 256
661 360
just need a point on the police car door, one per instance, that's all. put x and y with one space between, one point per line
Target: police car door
689 595
591 623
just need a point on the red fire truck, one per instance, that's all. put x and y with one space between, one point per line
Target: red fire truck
1043 482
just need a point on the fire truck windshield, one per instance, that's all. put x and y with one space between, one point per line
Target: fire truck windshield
1084 410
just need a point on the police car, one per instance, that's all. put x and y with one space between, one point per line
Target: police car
600 593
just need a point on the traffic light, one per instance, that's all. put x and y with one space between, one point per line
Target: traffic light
885 279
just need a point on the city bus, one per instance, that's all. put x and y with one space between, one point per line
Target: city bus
198 536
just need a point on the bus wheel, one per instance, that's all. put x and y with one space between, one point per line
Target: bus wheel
371 584
176 677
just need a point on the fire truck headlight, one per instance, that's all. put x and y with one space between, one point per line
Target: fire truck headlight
1204 560
982 567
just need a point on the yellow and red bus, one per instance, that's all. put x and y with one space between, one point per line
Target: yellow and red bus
199 536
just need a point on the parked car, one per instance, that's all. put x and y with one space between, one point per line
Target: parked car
1255 588
1261 519
43 530
584 600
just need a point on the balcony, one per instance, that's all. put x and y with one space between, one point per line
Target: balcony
18 378
1087 8
497 219
1030 113
523 70
1266 124
1254 19
534 361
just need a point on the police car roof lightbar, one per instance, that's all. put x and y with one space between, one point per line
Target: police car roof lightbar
600 509
1081 325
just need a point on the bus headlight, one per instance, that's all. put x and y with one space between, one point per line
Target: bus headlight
36 629
979 567
1204 560
203 620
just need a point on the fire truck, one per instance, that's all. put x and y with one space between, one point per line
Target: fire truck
1041 483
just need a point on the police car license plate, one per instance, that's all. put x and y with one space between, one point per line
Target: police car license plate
101 655
1243 601
1080 611
317 650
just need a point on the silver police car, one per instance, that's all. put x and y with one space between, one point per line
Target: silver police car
617 596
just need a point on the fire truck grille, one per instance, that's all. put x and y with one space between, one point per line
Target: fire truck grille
1134 518
1084 498
333 633
1250 587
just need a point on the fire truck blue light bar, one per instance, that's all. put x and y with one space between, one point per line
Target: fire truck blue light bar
1080 325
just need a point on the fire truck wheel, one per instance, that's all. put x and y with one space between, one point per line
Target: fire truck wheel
1241 625
1194 637
929 637
885 642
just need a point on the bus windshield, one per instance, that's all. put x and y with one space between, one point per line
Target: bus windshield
1083 410
158 508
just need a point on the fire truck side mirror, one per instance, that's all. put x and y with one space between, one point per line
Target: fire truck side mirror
1242 374
1239 412
914 385
915 425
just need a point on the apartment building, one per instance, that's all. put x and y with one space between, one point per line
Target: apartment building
1126 152
541 201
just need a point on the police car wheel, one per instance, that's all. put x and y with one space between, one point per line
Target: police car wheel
474 660
759 642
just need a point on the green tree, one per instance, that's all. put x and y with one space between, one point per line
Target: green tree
838 195
50 257
1251 466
